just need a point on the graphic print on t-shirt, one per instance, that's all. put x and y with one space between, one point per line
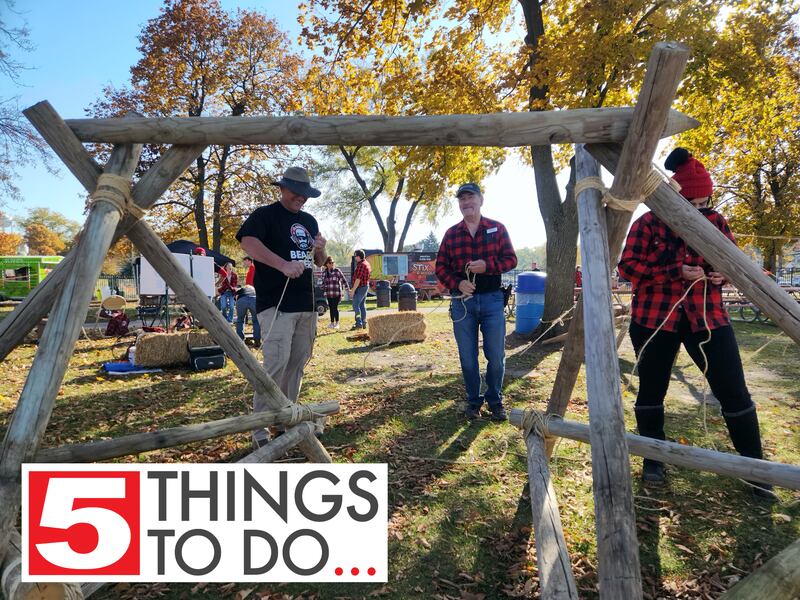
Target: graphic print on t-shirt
302 239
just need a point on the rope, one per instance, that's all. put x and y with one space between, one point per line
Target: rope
664 322
472 278
278 305
116 190
559 320
536 421
651 182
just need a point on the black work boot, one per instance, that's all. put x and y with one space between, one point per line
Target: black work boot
653 472
746 437
650 423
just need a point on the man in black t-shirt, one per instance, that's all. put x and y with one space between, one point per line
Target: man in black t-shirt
285 243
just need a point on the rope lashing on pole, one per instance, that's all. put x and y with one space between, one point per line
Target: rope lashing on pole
116 190
653 179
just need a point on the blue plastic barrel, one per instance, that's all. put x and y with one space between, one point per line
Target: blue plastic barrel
529 301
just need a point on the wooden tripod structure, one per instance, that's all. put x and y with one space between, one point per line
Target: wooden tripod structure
117 208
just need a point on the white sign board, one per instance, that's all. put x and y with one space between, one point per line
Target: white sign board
200 268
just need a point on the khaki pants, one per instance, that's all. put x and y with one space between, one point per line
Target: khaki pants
286 349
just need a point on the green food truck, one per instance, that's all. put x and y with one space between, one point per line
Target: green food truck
20 274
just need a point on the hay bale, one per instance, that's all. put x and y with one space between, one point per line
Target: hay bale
406 326
199 339
161 350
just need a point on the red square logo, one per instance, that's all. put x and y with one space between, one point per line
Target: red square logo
83 522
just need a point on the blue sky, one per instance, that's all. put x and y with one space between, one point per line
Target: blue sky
84 45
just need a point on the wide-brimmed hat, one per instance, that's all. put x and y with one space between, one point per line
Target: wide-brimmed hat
297 180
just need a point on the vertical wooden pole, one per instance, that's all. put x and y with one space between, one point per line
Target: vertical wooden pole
157 254
38 396
617 546
664 71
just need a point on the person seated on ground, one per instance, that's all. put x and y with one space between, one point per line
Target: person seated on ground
473 255
663 269
246 303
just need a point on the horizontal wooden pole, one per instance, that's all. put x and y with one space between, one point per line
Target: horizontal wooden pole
175 436
500 129
691 457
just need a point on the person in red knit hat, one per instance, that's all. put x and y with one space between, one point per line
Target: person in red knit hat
662 268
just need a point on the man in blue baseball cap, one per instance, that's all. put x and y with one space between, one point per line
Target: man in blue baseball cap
473 255
285 244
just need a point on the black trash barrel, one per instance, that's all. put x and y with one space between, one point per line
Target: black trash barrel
407 297
383 291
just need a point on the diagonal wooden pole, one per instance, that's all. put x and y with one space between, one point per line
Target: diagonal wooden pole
664 71
617 547
698 232
38 396
158 255
149 188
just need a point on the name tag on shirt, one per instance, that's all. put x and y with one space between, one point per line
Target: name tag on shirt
491 230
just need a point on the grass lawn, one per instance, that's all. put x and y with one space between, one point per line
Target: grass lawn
460 520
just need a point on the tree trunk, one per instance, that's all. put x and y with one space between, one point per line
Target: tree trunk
409 219
560 218
199 202
222 174
391 220
561 226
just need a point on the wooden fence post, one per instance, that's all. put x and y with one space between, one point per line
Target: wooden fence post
617 547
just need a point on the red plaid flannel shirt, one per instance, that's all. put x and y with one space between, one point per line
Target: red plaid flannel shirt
332 282
652 261
491 244
228 281
362 271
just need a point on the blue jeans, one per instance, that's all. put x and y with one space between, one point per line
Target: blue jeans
484 311
226 304
244 305
360 305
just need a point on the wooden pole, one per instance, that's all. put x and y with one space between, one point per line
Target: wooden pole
698 232
617 547
690 457
176 436
14 589
500 129
148 189
281 444
664 71
556 581
777 579
35 404
157 254
63 142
